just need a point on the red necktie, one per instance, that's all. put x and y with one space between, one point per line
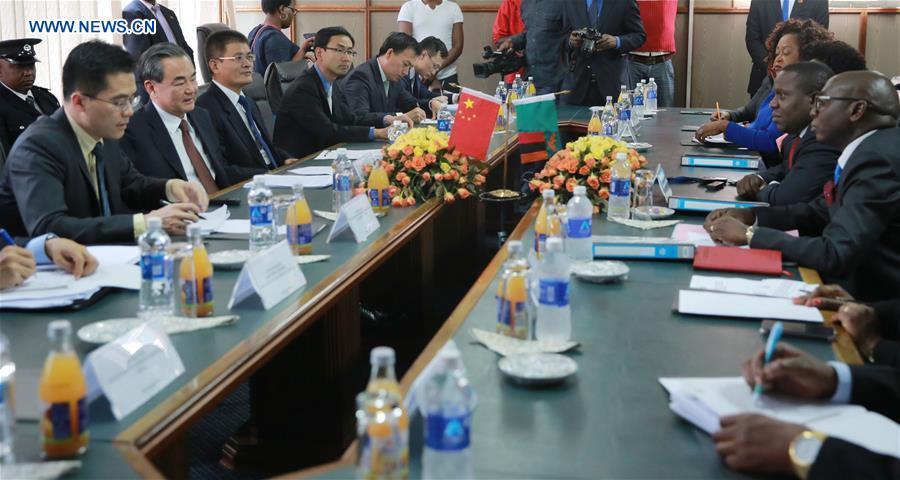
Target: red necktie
200 167
793 150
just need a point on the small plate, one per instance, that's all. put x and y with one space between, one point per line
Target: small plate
640 146
537 368
601 272
653 213
107 330
230 259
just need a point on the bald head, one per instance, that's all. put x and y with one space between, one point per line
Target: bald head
859 101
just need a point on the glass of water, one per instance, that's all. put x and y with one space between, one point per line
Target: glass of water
642 197
281 204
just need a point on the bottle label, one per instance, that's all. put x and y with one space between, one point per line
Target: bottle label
512 318
300 234
447 434
639 101
343 183
443 125
153 266
261 214
619 187
189 291
609 129
623 114
651 94
540 242
57 422
579 228
554 292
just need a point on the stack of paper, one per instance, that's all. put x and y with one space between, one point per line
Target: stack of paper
115 254
351 154
715 139
771 287
212 220
56 288
704 401
697 235
718 304
288 181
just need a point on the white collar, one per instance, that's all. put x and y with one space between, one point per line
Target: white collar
23 97
171 122
851 147
803 132
231 94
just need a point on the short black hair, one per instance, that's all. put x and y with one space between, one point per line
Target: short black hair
218 42
151 60
272 6
88 65
398 42
838 55
811 75
432 45
323 36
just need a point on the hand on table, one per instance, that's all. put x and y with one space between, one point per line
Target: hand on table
416 115
750 185
861 323
792 372
745 215
71 256
709 129
16 265
720 115
176 216
825 297
187 192
756 443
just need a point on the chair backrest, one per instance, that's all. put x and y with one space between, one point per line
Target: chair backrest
256 91
203 32
202 89
279 77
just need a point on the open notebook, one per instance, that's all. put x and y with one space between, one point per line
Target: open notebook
703 401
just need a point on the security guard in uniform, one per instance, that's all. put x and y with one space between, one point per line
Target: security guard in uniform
21 103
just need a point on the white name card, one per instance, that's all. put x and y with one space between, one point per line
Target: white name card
358 216
271 274
663 182
133 368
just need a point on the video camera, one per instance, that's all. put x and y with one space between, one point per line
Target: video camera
498 62
589 38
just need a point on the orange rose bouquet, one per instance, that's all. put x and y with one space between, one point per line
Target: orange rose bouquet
585 161
420 166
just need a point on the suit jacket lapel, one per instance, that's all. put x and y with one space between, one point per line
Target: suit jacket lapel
19 104
207 143
74 146
164 140
234 118
379 84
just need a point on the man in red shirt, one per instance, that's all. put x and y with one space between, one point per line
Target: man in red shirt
654 58
508 23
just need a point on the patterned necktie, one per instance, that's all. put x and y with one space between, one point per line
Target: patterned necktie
594 12
30 100
200 168
254 129
100 168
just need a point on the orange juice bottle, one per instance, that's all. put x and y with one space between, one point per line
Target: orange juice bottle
299 224
595 126
379 191
513 314
62 389
547 223
382 379
196 278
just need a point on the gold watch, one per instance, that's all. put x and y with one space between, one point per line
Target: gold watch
750 231
804 450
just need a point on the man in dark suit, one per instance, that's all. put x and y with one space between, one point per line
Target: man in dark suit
430 55
67 174
851 233
21 102
595 75
806 164
763 16
169 137
373 90
313 113
542 41
236 117
167 30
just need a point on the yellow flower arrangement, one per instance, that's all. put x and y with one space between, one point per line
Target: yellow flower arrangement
421 166
586 161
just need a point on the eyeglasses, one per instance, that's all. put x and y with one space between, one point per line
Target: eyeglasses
240 58
819 102
292 9
341 51
122 104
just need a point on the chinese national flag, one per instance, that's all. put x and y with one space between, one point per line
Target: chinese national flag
474 123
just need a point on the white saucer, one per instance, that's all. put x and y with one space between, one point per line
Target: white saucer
537 368
601 271
640 146
230 259
653 213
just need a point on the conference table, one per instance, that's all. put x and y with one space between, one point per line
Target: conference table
309 353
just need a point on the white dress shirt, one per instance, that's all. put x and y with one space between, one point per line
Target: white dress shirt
851 147
234 97
172 124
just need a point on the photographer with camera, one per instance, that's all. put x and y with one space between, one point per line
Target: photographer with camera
601 31
542 42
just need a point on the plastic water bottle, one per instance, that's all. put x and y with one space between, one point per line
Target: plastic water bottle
651 104
623 106
7 403
157 272
500 92
444 119
343 182
554 315
608 118
262 216
620 188
580 212
638 108
449 402
519 86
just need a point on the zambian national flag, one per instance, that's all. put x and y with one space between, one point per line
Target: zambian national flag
537 122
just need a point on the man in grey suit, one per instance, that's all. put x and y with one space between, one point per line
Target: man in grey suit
851 233
67 174
542 41
373 91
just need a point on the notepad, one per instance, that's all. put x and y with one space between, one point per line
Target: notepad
288 181
770 287
704 401
720 304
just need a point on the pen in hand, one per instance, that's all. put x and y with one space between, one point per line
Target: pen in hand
166 202
6 238
771 343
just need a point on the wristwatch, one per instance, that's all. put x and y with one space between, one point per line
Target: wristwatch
804 450
750 231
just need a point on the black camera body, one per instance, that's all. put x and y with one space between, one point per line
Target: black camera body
589 38
498 62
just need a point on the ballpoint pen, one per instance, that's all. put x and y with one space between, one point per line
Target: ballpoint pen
6 238
774 337
166 202
718 113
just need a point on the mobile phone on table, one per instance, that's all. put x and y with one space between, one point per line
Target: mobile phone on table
799 329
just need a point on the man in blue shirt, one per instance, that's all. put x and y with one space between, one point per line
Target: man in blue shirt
17 263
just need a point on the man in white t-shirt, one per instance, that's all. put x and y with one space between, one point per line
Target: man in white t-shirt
438 18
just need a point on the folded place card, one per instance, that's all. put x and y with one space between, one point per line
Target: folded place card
133 368
271 274
663 182
358 216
